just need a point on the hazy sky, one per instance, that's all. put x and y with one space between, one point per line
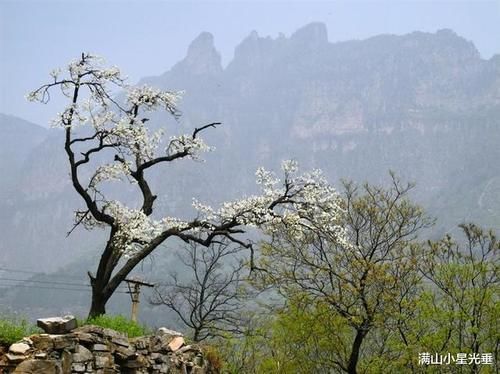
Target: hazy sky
147 37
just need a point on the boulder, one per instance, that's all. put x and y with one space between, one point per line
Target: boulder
57 325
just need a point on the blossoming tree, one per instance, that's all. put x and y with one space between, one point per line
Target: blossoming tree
116 129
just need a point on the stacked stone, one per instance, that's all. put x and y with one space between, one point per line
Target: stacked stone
66 349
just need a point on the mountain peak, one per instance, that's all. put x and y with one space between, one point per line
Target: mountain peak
202 43
202 57
314 33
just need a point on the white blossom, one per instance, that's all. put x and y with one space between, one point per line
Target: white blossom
289 166
72 116
33 96
186 143
110 172
136 229
151 98
55 73
300 203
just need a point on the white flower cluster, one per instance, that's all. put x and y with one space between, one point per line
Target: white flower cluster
93 67
34 96
101 119
133 138
110 172
186 143
290 166
135 228
55 73
119 122
76 69
72 114
151 98
111 73
300 202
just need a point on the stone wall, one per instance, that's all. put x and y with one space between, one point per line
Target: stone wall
93 349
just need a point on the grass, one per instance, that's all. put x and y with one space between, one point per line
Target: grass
118 323
13 329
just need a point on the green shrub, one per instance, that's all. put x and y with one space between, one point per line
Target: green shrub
13 329
119 323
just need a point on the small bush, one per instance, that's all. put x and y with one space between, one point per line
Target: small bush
13 329
119 323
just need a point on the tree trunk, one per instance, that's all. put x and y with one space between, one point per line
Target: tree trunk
107 264
99 300
356 346
106 281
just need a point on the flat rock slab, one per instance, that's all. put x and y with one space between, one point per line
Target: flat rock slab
164 331
15 358
176 343
19 348
57 325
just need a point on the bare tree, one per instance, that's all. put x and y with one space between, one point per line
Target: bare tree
209 294
117 131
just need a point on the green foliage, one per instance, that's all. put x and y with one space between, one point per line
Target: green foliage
308 337
248 353
451 305
13 329
119 323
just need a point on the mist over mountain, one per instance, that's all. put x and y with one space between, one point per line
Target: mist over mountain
424 105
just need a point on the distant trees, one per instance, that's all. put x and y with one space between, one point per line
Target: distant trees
209 293
99 127
465 301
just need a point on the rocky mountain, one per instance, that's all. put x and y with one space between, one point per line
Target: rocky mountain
425 105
